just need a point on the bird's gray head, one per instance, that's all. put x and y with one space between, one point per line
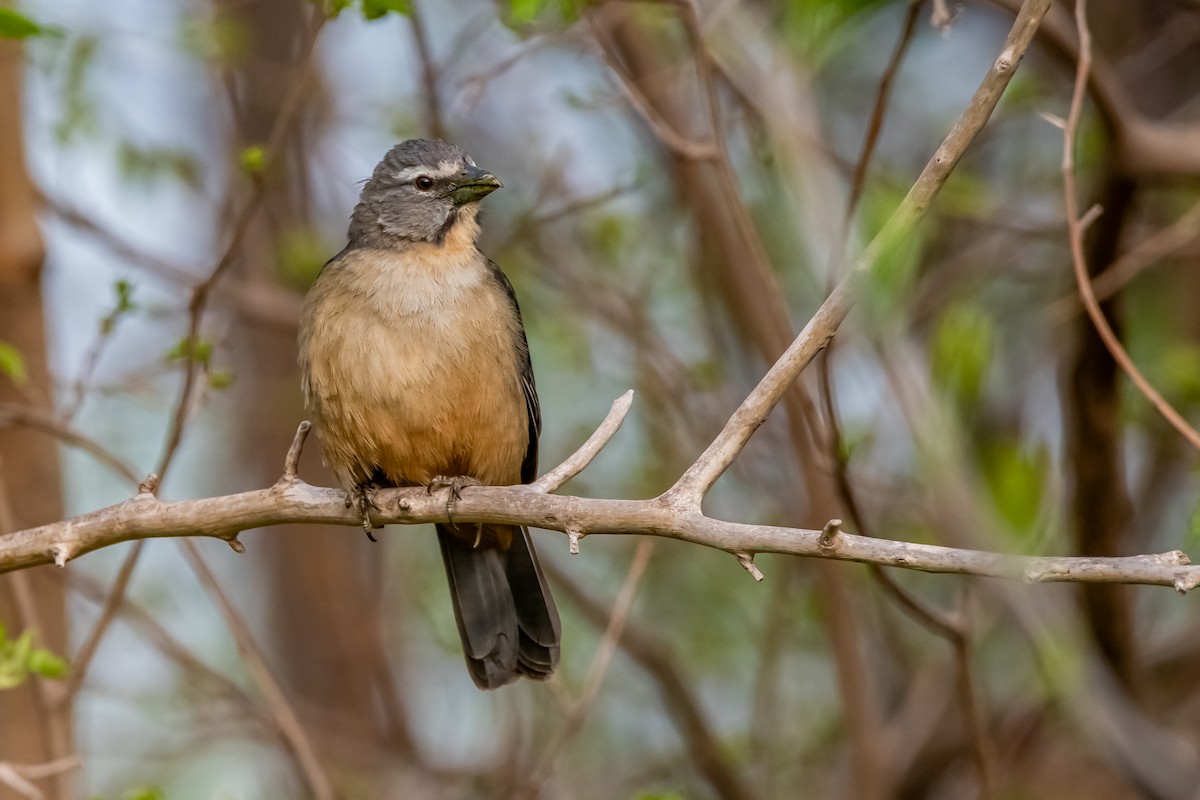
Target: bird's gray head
418 192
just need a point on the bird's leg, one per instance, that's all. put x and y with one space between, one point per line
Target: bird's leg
455 484
363 496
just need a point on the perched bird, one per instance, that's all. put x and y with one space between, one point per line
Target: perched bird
416 371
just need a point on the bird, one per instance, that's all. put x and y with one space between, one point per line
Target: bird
416 371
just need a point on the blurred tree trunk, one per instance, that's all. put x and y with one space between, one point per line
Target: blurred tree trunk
324 627
33 727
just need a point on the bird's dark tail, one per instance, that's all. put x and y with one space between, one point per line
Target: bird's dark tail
506 616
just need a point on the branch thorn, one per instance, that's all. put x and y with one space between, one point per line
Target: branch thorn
291 462
149 485
573 537
747 562
62 554
829 534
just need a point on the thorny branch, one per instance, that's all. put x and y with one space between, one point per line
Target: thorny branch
291 500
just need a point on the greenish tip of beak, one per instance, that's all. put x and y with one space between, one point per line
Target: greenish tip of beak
472 185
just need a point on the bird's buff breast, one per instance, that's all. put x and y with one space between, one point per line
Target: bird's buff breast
410 367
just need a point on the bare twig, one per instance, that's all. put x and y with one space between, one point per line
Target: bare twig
883 93
680 145
578 461
289 724
204 289
601 663
434 119
1075 230
700 477
18 415
651 654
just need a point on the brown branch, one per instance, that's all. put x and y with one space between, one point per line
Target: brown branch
1076 224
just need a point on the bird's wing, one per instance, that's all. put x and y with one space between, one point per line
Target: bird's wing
533 410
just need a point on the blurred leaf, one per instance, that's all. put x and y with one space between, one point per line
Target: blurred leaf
252 160
144 793
1016 478
19 26
332 8
962 346
374 9
220 379
523 12
199 350
147 165
1178 373
818 29
124 305
223 37
12 364
79 112
1192 542
301 253
47 664
893 274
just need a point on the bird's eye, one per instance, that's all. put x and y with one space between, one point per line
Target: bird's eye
424 183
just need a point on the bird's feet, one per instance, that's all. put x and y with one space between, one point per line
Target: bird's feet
455 484
363 496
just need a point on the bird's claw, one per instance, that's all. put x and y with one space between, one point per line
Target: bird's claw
364 497
455 484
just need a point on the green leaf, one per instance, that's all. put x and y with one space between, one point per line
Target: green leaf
374 9
1016 477
22 647
253 160
198 350
18 26
147 164
47 664
12 364
523 12
962 351
220 379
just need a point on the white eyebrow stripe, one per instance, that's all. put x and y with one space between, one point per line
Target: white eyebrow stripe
443 170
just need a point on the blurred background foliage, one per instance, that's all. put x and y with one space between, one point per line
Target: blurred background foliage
965 402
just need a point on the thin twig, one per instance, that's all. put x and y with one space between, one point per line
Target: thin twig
18 415
680 145
1075 232
285 716
883 93
601 663
434 119
203 290
579 460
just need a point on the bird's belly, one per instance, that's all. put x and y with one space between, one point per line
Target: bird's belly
422 395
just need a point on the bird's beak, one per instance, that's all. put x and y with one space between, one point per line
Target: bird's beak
472 185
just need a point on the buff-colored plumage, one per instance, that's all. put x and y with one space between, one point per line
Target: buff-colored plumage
409 358
416 369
